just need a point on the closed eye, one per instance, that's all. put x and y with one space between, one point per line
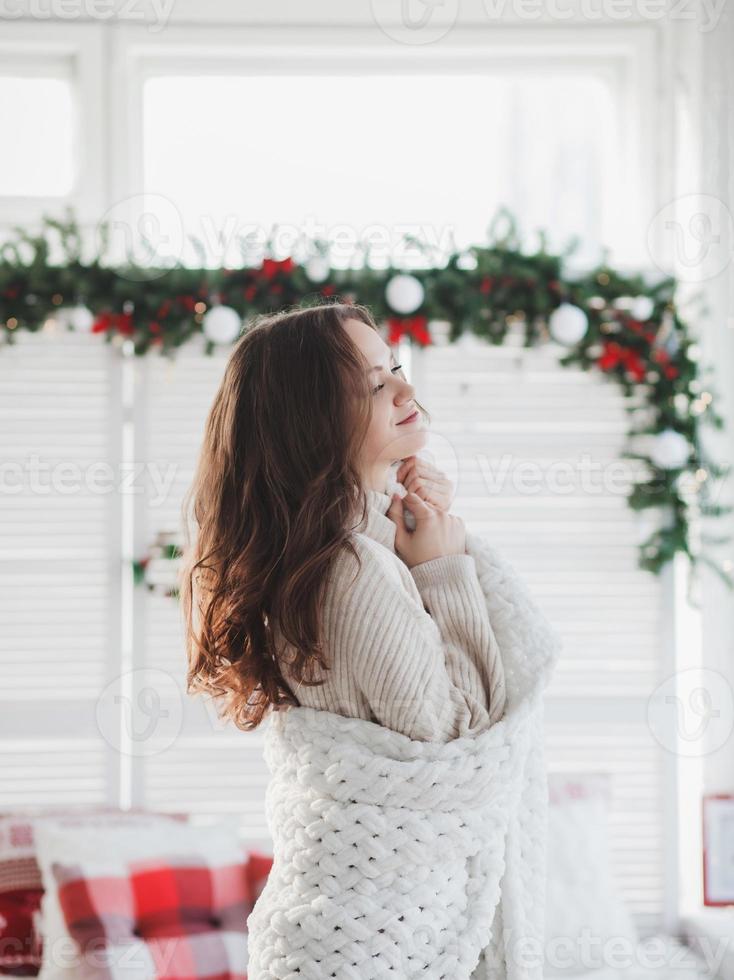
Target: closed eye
398 367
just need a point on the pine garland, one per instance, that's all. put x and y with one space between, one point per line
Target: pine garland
632 333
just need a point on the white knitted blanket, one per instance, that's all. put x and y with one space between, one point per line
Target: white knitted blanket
399 858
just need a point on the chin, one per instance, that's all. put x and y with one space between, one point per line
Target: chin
403 445
411 442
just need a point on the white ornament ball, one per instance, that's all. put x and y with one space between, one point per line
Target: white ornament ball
568 324
78 318
642 307
221 324
317 268
404 293
468 261
670 450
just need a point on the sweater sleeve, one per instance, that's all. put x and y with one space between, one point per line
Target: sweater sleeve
415 679
450 590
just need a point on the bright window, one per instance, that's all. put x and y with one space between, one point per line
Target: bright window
36 115
401 152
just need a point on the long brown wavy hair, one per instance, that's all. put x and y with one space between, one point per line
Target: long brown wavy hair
276 492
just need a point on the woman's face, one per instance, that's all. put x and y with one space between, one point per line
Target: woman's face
390 437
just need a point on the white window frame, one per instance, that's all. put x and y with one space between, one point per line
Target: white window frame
74 52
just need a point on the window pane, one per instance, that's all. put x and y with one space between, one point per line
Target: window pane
433 155
37 158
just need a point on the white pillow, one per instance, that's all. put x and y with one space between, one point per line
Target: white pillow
584 905
148 835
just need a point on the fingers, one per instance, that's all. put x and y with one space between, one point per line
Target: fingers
404 468
395 511
413 466
424 486
418 506
396 505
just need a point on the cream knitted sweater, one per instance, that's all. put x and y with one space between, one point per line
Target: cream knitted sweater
410 648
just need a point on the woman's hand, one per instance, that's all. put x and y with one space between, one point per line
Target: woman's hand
427 482
436 533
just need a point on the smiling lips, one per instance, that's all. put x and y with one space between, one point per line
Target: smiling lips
410 418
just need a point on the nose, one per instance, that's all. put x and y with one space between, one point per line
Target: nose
407 391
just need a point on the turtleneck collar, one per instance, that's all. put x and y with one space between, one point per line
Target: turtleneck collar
377 524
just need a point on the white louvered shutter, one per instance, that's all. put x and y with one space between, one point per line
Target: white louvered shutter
193 762
59 569
578 553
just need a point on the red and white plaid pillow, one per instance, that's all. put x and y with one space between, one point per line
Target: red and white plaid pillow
20 949
21 885
174 917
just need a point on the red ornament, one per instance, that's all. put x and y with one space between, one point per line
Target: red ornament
327 290
615 354
635 365
271 267
636 326
415 326
122 322
610 356
663 359
486 284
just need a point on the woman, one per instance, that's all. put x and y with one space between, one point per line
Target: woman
308 585
407 793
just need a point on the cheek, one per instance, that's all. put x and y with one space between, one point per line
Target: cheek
380 427
380 433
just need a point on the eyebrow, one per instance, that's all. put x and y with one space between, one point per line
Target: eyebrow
379 367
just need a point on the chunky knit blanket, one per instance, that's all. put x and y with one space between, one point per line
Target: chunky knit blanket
400 858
